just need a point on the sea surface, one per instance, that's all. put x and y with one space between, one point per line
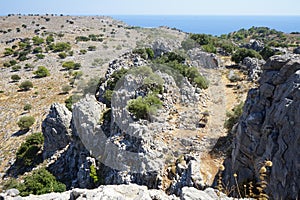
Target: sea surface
214 25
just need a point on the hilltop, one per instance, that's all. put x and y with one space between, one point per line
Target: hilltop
156 107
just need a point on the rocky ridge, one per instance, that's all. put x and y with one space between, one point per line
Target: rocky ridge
268 130
120 192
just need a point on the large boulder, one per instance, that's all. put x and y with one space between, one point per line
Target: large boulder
268 130
203 59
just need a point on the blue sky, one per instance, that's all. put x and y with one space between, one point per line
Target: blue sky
155 7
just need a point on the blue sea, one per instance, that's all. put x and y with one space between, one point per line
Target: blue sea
214 25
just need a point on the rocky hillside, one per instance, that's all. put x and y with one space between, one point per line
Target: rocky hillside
146 113
266 143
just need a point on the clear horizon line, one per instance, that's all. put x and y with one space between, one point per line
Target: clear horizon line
143 14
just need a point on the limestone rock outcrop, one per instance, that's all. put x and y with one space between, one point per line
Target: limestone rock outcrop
253 67
56 129
121 192
268 130
67 157
164 45
199 58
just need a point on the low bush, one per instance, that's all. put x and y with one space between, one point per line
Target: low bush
39 182
242 53
71 65
26 85
41 72
29 150
61 46
62 55
15 78
27 107
25 122
143 108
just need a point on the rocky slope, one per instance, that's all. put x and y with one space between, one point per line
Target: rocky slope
120 192
268 130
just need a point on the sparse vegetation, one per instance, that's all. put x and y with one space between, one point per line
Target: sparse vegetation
242 53
15 78
29 150
61 46
25 122
143 108
39 182
233 117
26 85
41 72
27 107
71 65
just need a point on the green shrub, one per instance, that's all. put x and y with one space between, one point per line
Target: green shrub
16 68
233 117
70 100
8 51
82 39
28 151
242 53
142 108
92 48
41 72
25 122
15 78
209 48
68 65
27 107
39 182
26 85
37 50
12 62
62 55
29 66
201 39
40 56
83 51
115 77
49 39
37 40
61 46
267 52
146 53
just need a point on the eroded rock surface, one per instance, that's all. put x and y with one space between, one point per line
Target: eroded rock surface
269 130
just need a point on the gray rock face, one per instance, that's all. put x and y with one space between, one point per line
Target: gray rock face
269 130
203 59
68 159
163 45
297 50
255 45
124 192
253 66
56 129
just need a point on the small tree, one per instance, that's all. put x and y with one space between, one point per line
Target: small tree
15 78
25 122
26 85
41 72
